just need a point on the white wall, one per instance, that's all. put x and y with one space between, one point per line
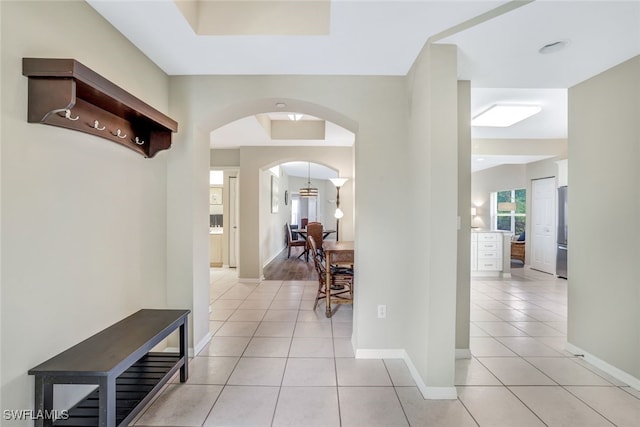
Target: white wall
83 219
604 150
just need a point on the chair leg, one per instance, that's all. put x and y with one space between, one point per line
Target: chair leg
289 253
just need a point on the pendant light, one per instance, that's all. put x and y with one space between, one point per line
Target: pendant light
309 191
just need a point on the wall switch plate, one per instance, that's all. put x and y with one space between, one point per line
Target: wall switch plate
382 311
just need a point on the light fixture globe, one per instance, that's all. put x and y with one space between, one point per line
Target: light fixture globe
339 214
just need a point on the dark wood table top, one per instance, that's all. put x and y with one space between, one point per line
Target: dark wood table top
109 350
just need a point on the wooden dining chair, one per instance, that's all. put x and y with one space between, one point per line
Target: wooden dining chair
291 242
341 285
315 230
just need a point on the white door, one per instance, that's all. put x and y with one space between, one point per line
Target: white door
543 225
233 222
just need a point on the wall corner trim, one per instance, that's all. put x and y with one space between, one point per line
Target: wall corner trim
434 393
616 373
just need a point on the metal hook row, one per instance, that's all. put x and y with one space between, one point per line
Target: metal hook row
96 125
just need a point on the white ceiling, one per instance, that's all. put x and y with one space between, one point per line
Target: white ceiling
499 56
306 170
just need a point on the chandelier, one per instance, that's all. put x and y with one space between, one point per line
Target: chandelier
309 191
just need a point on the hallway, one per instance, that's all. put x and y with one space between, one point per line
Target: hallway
273 361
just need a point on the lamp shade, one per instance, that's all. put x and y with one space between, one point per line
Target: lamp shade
338 182
507 206
308 192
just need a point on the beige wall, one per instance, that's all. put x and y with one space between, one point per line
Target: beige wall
604 150
486 181
430 296
372 107
83 219
508 177
463 278
390 173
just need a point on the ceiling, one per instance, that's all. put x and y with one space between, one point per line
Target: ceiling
498 51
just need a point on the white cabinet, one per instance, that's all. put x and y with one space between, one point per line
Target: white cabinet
215 249
486 251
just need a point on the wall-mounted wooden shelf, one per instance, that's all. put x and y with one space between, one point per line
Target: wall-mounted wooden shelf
65 93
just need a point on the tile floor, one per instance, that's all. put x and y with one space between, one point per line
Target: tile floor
273 361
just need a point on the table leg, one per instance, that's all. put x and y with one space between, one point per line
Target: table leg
107 402
184 351
327 284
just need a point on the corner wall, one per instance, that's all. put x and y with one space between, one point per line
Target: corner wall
604 149
433 167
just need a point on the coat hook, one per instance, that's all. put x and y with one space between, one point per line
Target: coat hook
138 141
67 115
96 125
119 134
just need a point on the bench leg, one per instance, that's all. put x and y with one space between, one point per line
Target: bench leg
184 351
107 405
43 401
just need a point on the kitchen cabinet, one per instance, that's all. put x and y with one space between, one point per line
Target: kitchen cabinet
215 249
487 250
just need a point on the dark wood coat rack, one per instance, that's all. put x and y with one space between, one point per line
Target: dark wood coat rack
65 93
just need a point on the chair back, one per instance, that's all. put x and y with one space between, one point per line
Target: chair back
315 230
289 234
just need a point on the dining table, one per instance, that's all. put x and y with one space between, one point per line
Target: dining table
303 232
337 252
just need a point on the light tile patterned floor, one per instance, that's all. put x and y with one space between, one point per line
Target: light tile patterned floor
273 361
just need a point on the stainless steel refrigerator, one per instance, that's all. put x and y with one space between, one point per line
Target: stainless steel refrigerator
563 242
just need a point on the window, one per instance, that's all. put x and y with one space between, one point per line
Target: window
507 220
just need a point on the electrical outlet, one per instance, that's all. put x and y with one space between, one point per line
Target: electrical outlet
382 311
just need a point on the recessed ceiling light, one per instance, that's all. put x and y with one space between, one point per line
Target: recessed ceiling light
294 116
280 104
553 47
504 115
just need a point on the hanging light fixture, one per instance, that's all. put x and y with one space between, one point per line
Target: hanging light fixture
309 191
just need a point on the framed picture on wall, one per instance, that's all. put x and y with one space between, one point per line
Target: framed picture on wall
274 194
215 195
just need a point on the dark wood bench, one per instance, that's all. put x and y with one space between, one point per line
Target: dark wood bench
120 362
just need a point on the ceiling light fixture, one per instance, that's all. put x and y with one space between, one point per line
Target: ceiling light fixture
294 116
553 47
504 115
309 191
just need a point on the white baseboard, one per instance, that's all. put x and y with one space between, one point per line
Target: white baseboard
252 280
463 353
616 373
391 353
202 343
434 393
192 350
